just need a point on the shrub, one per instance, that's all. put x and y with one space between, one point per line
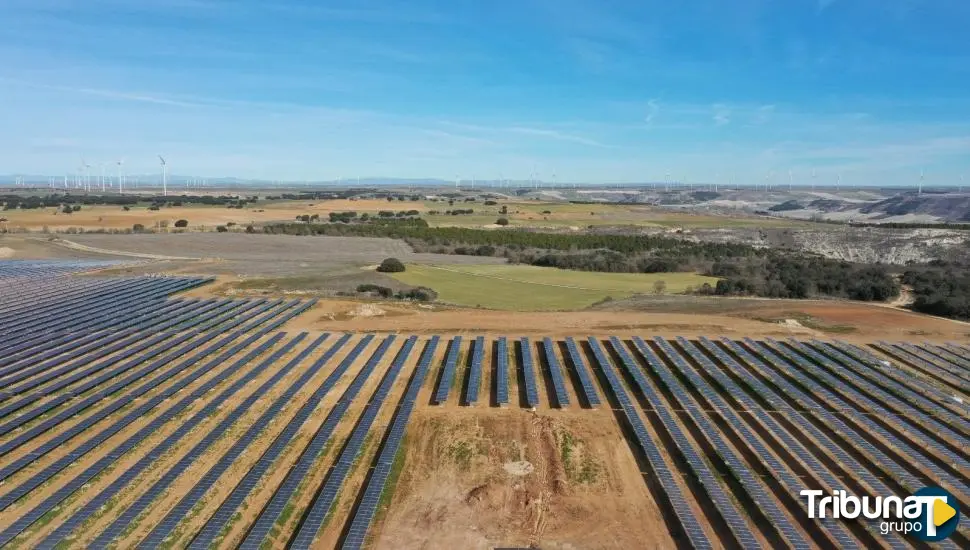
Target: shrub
421 294
221 228
67 209
383 291
391 265
502 221
138 228
182 223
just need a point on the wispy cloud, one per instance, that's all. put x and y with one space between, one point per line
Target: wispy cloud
722 115
107 94
653 108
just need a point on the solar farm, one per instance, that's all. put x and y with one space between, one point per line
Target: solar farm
134 417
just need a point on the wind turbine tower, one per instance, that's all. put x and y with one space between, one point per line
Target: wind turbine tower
164 176
919 190
121 176
791 180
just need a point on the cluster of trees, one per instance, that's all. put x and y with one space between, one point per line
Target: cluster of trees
781 275
785 206
941 289
420 293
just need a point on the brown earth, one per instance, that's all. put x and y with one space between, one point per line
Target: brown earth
455 490
856 322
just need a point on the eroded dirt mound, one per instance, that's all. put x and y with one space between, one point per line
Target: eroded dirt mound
582 488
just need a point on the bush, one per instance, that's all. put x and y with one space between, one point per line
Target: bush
182 223
421 294
221 228
391 265
383 291
138 228
502 221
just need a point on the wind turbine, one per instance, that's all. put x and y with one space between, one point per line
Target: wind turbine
919 190
813 180
121 176
103 164
87 178
164 176
790 180
838 183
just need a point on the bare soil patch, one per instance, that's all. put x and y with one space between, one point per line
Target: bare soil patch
455 492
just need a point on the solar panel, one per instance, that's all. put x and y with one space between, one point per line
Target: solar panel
831 373
752 484
528 373
501 372
223 515
313 519
271 512
589 390
364 514
658 464
555 371
711 482
448 371
122 480
475 373
815 466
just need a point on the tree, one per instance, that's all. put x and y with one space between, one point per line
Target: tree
659 287
182 223
138 228
502 221
391 265
221 228
68 209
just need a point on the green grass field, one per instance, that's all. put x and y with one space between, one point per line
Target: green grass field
528 288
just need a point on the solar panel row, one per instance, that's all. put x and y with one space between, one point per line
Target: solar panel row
854 439
752 484
475 372
931 392
901 422
196 314
501 371
876 381
555 371
814 465
658 464
117 404
784 440
210 532
364 514
314 518
528 373
259 532
945 354
448 371
121 480
164 528
896 468
912 355
579 365
725 506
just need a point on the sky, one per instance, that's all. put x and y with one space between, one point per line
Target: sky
872 91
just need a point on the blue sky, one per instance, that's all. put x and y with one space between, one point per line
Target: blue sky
588 90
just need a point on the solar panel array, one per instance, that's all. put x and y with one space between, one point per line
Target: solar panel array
730 513
271 512
900 422
314 518
372 491
448 371
753 485
528 373
907 400
475 372
501 371
223 515
82 360
658 464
